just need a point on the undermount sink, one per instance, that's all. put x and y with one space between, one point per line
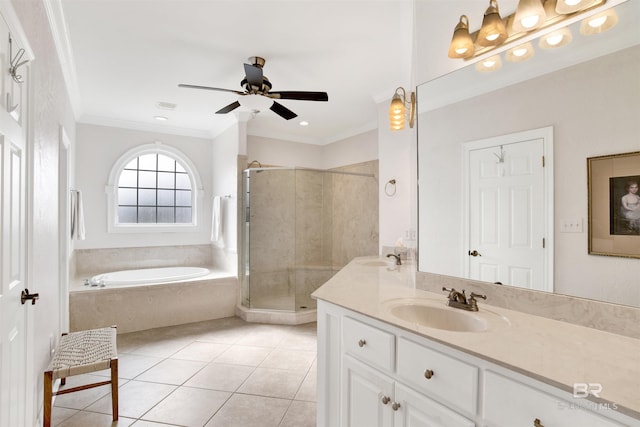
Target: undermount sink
427 313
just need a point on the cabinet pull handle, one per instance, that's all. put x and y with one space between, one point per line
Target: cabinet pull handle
537 423
428 374
395 406
362 343
385 400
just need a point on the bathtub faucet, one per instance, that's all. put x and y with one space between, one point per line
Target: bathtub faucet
397 257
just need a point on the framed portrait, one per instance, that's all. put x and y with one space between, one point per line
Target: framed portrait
614 204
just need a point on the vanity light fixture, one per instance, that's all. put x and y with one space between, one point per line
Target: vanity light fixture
493 63
519 53
461 43
556 39
398 109
493 31
599 23
565 7
530 17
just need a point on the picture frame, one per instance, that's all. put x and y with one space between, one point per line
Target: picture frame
614 205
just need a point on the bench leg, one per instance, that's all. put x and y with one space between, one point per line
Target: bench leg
48 397
114 388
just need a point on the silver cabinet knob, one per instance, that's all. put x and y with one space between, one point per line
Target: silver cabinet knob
362 343
428 374
395 406
537 423
385 400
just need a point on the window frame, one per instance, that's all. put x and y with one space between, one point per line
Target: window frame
111 191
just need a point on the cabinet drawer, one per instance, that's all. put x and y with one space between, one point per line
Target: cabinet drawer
452 382
368 344
509 403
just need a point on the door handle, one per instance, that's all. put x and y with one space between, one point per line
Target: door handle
474 253
25 295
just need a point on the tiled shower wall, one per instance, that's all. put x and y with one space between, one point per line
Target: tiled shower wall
305 226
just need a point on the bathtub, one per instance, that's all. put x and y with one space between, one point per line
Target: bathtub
148 298
146 275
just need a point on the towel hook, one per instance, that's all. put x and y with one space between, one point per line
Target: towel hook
15 62
390 188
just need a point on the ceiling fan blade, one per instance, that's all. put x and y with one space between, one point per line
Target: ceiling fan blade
253 74
211 88
303 96
282 111
228 108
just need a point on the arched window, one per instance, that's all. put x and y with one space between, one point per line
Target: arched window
153 187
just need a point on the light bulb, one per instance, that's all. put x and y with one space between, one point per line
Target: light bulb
530 21
597 22
554 39
520 52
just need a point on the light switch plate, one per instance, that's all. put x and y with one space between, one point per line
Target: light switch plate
571 225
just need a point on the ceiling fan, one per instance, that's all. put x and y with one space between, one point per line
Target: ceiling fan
257 87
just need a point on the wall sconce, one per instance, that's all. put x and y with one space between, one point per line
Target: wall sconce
398 109
530 17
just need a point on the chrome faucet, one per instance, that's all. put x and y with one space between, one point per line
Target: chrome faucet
460 300
397 257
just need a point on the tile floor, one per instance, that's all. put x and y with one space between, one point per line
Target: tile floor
219 373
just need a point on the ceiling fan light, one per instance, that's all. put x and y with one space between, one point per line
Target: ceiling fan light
461 43
493 31
565 7
599 23
529 15
255 102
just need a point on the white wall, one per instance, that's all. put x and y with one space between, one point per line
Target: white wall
398 160
50 109
224 164
98 148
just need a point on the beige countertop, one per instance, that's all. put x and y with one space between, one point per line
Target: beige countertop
557 353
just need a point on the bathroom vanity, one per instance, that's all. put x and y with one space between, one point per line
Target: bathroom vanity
393 355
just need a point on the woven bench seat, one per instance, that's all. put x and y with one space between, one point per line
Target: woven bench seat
80 353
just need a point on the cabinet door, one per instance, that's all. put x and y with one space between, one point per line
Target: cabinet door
366 396
508 403
417 410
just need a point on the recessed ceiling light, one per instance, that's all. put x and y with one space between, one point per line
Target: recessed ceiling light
304 123
161 118
166 105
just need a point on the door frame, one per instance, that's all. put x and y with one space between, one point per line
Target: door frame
64 228
546 134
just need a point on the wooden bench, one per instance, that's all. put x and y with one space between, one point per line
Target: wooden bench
80 353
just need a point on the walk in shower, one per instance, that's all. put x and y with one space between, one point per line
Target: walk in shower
300 227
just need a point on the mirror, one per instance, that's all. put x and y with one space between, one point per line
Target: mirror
588 94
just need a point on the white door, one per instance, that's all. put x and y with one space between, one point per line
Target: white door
508 210
14 342
12 312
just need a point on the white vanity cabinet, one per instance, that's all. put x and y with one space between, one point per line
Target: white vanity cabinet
508 402
374 374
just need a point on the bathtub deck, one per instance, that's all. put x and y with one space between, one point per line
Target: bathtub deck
141 307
